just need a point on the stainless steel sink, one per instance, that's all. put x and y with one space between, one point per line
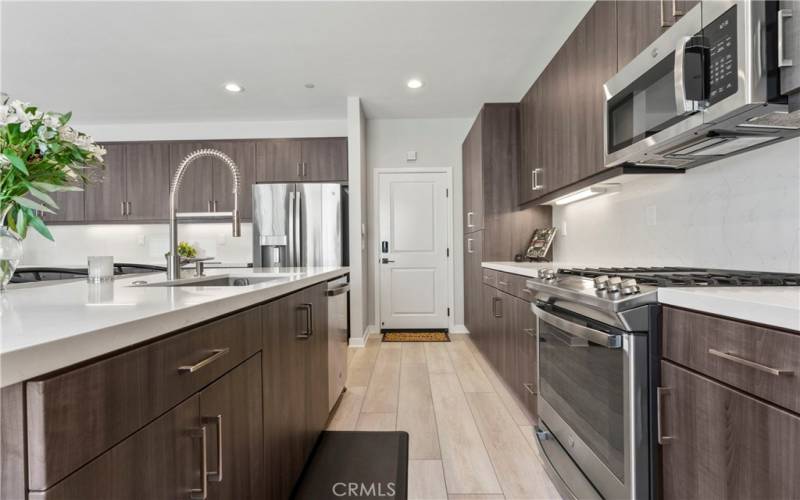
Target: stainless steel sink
211 281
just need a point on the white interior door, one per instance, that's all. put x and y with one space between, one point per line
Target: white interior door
413 230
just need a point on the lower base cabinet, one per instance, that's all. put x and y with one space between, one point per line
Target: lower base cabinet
507 338
719 443
295 385
209 445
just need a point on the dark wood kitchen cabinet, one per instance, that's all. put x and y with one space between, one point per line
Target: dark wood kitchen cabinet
207 184
642 21
295 384
473 282
472 163
722 443
134 186
302 160
70 207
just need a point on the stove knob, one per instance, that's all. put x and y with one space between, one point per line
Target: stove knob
549 274
601 282
613 284
629 286
540 273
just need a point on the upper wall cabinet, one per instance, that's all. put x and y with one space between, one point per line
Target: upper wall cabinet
135 184
472 161
641 22
562 113
302 160
207 185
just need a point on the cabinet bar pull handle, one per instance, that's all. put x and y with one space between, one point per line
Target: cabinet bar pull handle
215 205
469 245
660 392
664 22
309 330
469 219
304 169
525 290
495 309
216 475
202 493
503 283
535 184
529 331
783 14
130 208
676 12
529 388
216 354
210 205
122 208
752 364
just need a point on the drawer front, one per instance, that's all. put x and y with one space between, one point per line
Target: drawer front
74 416
505 282
519 288
758 360
162 460
490 277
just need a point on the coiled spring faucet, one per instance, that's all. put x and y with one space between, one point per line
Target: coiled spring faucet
174 260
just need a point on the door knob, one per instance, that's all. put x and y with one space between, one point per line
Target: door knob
386 261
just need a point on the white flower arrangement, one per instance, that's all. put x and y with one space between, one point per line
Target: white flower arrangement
39 154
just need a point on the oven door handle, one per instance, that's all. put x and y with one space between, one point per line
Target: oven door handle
612 341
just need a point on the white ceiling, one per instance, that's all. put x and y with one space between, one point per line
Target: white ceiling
121 62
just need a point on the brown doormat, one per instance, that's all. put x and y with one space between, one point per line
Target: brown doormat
416 337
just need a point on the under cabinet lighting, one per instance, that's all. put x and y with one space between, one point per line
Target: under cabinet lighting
233 87
586 193
414 83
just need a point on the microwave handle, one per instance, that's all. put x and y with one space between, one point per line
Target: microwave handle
684 106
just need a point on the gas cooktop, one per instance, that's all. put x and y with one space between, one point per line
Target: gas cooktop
689 276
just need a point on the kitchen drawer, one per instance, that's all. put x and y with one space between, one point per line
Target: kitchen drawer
518 287
74 416
743 355
490 277
504 282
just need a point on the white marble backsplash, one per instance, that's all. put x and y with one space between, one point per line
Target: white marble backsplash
741 212
138 243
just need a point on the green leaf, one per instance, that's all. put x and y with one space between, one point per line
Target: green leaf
22 223
40 227
16 161
42 196
25 202
66 117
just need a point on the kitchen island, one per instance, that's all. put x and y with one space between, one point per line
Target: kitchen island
99 380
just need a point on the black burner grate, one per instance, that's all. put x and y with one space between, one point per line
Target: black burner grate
687 276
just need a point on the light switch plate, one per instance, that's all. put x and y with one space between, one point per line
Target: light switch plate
411 156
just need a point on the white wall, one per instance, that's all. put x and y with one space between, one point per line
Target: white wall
742 212
146 243
438 144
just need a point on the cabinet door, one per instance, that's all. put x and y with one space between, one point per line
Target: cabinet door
196 193
147 175
640 22
526 378
473 177
285 360
105 199
317 366
243 153
162 460
723 443
278 160
231 410
70 207
324 160
530 129
473 283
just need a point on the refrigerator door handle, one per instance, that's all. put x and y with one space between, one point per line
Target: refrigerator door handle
290 253
298 231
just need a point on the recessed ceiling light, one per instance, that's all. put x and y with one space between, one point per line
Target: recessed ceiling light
414 83
309 85
233 87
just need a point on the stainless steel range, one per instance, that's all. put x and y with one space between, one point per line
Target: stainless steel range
598 358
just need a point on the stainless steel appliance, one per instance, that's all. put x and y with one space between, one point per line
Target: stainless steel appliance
298 225
598 348
338 293
710 86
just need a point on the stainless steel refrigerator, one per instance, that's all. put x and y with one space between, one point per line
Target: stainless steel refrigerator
299 225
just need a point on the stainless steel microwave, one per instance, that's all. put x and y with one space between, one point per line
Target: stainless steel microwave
708 87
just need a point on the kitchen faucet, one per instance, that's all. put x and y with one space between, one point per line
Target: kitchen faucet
174 260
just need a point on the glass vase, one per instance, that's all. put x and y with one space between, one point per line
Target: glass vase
10 255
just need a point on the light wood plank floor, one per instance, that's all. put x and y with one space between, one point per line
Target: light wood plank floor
469 438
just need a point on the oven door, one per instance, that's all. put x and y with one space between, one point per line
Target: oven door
585 386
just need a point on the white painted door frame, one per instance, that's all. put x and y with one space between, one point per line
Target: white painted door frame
375 229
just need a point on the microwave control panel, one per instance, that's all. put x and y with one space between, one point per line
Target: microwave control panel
722 57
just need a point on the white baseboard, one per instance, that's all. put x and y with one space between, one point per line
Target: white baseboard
459 329
362 341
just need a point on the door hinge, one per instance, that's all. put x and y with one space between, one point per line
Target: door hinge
448 252
447 193
448 312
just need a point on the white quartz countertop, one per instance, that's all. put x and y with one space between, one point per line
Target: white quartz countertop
525 268
777 306
48 327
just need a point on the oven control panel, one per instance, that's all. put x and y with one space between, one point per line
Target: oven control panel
720 36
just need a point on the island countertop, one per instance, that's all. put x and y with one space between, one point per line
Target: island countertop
47 327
